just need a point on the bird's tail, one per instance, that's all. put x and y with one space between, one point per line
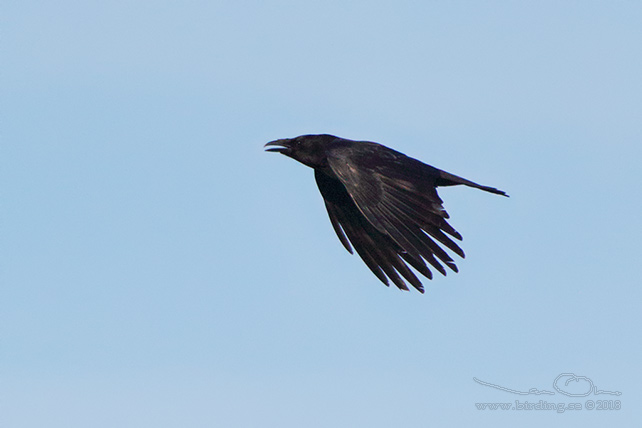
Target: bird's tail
448 179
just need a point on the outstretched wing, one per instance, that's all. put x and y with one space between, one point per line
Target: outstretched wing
397 196
379 252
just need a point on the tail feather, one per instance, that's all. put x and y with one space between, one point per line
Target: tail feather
448 179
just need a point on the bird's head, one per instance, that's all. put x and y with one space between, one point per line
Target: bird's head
307 149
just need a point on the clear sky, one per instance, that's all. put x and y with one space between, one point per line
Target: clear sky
160 270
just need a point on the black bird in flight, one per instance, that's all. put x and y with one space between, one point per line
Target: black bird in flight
383 202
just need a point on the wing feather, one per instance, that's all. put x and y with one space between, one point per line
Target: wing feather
400 201
378 251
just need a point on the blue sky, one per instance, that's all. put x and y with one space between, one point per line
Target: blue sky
159 269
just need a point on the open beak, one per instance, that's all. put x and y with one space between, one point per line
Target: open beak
279 146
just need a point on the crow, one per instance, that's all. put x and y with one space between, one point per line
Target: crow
382 202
